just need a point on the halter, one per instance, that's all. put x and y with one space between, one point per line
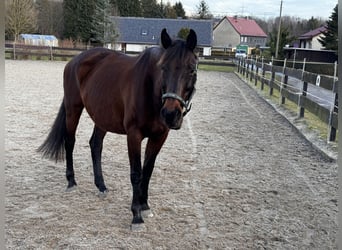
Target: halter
185 104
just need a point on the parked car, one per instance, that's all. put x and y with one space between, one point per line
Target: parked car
240 53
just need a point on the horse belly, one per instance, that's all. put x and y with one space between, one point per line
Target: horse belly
106 110
107 120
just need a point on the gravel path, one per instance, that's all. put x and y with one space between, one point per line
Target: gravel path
236 176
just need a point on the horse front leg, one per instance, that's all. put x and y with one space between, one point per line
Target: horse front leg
134 139
153 147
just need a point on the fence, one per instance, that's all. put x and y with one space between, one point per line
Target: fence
22 51
293 86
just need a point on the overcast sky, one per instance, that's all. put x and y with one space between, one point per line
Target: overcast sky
304 9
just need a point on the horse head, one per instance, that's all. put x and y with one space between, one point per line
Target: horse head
179 74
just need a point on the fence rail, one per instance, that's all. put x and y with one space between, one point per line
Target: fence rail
293 86
21 51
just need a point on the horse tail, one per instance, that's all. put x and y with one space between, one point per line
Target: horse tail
53 146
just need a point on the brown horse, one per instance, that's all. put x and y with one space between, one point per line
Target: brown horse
142 97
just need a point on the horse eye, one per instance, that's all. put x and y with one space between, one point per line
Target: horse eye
192 70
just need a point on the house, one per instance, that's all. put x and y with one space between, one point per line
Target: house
309 40
38 40
135 34
233 31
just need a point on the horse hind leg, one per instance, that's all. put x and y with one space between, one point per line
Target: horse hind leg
96 144
72 119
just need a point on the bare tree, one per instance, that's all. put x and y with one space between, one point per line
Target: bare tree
21 17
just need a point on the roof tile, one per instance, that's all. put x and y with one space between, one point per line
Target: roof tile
147 30
246 27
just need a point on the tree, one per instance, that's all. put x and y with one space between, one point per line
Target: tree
150 8
103 27
50 17
88 21
285 38
21 17
330 39
183 33
180 12
169 11
203 11
128 7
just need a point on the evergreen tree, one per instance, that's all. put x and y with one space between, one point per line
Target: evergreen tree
50 17
103 27
169 11
180 12
149 8
203 10
131 8
285 38
183 33
330 39
88 21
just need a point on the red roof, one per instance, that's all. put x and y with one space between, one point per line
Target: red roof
246 27
313 33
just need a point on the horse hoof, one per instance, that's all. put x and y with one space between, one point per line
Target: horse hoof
138 227
70 189
103 194
147 213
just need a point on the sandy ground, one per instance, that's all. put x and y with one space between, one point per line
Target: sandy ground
236 176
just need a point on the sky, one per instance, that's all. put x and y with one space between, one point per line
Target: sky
303 9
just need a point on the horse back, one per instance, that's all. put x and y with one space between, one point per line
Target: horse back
117 90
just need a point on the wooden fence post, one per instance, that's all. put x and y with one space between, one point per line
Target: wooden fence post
256 72
304 91
14 52
247 68
263 74
286 79
252 73
282 84
332 130
272 78
51 54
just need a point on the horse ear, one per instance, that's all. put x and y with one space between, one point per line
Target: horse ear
191 40
165 39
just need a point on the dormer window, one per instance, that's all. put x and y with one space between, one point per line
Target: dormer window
144 32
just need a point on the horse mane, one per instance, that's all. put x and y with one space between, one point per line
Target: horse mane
148 57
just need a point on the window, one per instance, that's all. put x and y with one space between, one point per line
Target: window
144 32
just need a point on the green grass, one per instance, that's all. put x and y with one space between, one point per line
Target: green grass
310 120
228 69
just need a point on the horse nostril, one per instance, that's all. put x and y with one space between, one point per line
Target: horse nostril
171 117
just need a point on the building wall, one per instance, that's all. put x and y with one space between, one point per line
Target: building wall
140 47
225 36
311 43
315 43
253 41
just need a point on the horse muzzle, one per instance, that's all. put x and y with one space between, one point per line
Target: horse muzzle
172 110
173 118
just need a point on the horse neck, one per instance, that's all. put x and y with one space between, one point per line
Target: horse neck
147 67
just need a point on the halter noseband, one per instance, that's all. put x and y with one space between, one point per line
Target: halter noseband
185 104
